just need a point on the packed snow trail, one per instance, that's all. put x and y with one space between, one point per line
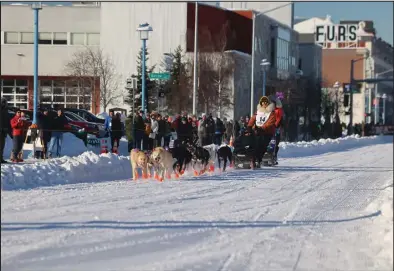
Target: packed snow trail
315 213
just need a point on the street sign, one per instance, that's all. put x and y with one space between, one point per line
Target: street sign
356 88
159 76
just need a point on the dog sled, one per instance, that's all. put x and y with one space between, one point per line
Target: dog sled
244 151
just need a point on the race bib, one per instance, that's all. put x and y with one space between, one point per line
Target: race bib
262 118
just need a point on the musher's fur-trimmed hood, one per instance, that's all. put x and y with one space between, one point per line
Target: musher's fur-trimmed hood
269 108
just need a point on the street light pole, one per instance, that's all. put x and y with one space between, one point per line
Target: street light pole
36 6
252 75
350 132
264 64
195 58
384 108
143 76
144 30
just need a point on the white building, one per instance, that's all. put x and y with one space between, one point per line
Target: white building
63 30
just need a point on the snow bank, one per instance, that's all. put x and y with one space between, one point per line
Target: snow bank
92 167
87 167
318 147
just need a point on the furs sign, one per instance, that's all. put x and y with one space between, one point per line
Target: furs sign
337 33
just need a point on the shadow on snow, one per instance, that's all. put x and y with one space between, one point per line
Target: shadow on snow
117 225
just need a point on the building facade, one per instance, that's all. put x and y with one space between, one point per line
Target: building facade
63 31
341 43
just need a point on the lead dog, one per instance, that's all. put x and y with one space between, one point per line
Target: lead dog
139 159
162 162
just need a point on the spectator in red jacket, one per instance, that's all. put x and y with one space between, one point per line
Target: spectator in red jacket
18 125
278 124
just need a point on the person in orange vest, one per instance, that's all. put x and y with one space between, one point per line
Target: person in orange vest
278 123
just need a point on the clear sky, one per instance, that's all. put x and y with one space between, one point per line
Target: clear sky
381 13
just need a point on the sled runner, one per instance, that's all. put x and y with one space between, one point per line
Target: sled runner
269 156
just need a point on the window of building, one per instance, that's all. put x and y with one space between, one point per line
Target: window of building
16 92
21 105
93 39
7 90
8 83
27 38
77 39
21 83
57 99
72 99
21 90
11 37
273 52
45 38
60 38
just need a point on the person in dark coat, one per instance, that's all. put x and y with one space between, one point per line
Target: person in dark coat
167 131
211 129
44 124
139 129
129 132
184 130
229 132
219 131
116 131
59 128
5 127
162 129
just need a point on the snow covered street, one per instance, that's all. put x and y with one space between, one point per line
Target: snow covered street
327 211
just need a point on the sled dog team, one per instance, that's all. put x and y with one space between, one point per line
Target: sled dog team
164 163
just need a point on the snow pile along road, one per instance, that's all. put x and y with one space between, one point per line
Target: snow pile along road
87 167
303 148
91 167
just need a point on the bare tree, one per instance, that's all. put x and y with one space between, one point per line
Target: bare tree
79 69
215 70
91 66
